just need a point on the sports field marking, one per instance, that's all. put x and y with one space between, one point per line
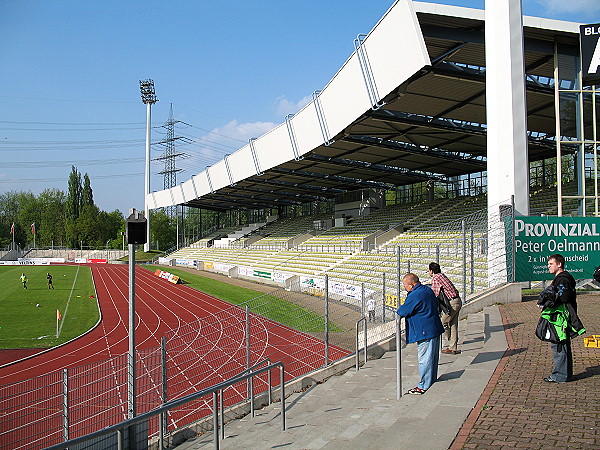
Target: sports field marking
64 316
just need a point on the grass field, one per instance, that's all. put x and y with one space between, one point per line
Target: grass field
268 306
23 324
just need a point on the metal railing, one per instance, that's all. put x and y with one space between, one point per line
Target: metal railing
218 423
362 320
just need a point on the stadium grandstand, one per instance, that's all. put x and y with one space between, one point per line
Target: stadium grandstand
414 152
388 165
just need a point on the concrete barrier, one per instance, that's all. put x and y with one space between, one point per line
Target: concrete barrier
508 293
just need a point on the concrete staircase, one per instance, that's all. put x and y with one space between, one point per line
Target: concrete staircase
360 409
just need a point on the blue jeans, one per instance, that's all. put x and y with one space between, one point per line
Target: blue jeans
429 356
563 361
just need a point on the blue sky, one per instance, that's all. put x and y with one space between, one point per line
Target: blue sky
69 90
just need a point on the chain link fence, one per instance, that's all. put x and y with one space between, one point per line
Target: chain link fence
327 311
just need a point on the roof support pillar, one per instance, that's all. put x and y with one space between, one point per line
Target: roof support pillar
507 158
506 108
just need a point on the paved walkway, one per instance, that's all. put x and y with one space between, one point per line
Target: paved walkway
519 410
490 396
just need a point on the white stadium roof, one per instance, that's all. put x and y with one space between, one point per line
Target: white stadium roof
407 106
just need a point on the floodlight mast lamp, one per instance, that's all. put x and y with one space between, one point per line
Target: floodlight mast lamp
148 98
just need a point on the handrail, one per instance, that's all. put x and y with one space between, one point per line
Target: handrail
270 392
120 427
363 319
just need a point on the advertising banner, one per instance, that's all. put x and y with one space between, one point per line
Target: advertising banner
167 276
222 267
24 263
186 262
306 281
536 238
262 274
316 286
245 271
39 261
280 277
391 300
590 53
90 261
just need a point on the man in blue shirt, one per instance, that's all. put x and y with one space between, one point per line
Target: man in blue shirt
423 326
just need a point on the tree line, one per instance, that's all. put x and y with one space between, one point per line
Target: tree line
57 218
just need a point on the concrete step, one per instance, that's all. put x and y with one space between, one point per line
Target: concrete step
360 409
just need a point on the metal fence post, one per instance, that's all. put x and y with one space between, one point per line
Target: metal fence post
464 259
247 348
513 249
65 386
383 295
398 358
222 410
326 320
131 375
120 439
282 377
365 339
472 261
437 253
216 420
363 309
163 394
251 379
398 277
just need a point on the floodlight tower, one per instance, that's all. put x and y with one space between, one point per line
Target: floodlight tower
149 99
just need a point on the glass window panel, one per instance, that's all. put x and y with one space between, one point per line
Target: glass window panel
568 68
588 117
597 106
568 114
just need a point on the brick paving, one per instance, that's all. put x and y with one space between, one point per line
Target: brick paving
518 409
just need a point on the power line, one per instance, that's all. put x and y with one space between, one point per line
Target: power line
71 129
64 100
71 123
46 180
82 162
70 148
215 133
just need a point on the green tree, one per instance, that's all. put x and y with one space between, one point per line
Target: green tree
74 194
28 214
88 226
51 229
9 207
163 230
73 208
87 197
110 226
115 222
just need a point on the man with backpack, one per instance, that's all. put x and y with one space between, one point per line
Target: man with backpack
564 294
439 282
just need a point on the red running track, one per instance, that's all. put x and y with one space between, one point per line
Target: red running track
207 336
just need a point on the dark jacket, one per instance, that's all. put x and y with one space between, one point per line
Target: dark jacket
565 322
561 292
565 289
422 317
